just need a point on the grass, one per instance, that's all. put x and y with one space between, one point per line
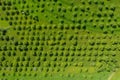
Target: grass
72 40
115 75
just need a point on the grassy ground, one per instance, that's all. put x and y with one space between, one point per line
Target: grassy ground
59 39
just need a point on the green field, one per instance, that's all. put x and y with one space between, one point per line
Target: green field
59 39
